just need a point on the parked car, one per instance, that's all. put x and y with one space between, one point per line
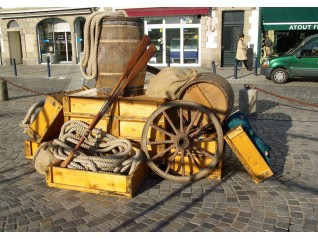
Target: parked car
299 62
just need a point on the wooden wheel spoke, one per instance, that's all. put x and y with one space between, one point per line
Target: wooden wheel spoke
207 139
182 163
170 122
160 142
203 151
181 119
192 122
172 161
200 129
193 159
162 130
162 152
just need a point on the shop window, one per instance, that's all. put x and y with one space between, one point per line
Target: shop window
79 37
191 45
54 40
154 20
191 19
173 20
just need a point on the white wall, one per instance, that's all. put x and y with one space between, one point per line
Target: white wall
253 32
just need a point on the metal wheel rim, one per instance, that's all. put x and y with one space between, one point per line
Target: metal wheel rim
280 76
181 140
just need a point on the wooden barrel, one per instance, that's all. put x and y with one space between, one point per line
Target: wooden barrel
211 90
118 39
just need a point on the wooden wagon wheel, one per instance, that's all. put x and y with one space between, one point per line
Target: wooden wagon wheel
182 140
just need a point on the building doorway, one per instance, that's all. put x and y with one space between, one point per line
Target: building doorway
232 27
14 42
54 39
177 40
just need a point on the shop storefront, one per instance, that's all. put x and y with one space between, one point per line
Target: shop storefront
287 26
31 36
55 42
176 32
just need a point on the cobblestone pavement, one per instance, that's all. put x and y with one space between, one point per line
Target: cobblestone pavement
287 201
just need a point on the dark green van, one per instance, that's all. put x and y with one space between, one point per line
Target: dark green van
299 62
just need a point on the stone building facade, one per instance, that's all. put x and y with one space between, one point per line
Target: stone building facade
24 34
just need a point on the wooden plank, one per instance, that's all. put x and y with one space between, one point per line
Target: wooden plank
94 182
48 122
248 154
126 119
30 147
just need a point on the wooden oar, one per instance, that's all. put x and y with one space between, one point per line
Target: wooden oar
141 64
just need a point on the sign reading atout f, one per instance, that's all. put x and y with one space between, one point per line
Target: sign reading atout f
303 27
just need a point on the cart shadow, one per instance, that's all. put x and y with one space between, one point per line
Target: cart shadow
171 196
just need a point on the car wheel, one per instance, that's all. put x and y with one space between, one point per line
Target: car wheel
279 76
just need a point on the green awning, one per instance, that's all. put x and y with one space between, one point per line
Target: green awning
290 18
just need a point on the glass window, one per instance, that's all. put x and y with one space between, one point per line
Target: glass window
173 20
156 39
191 45
54 40
173 45
154 20
191 19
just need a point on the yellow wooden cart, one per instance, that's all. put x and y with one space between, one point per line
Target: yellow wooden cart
183 139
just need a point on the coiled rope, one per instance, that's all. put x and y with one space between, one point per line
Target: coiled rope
92 31
100 151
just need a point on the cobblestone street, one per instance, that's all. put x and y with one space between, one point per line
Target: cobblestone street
286 202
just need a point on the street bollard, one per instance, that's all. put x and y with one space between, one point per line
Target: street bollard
255 65
15 68
168 63
48 67
235 70
3 90
213 67
248 100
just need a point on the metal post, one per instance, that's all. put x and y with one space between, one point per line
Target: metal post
256 65
235 70
48 67
168 62
213 67
15 68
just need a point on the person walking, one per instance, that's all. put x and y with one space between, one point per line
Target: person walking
241 53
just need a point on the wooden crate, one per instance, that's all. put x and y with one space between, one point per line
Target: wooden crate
48 122
99 183
248 154
125 119
30 147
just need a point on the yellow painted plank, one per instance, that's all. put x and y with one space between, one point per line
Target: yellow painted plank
93 182
248 154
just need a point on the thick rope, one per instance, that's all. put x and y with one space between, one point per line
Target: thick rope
100 151
92 29
31 115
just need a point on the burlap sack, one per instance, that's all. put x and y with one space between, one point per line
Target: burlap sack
167 83
43 157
